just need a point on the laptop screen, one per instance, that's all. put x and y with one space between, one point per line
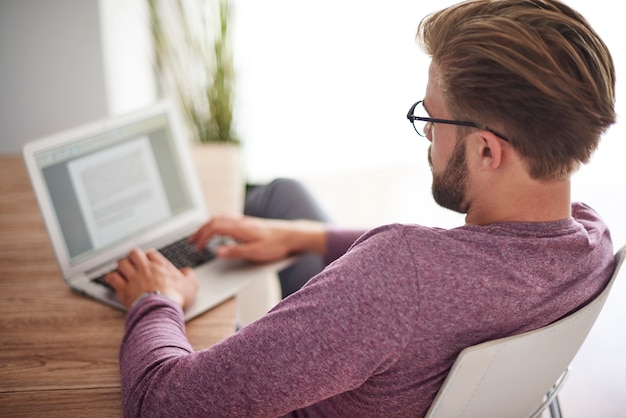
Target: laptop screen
107 187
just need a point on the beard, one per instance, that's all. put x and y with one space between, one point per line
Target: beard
449 186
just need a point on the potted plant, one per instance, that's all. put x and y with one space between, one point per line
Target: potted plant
194 61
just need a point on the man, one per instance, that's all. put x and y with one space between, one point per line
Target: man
518 94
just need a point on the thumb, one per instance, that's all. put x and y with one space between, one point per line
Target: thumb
188 272
246 251
231 251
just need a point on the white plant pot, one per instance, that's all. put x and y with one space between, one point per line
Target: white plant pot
221 177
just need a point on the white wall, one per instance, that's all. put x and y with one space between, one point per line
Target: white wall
327 82
51 68
70 62
128 55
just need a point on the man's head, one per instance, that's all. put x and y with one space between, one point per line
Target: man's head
533 70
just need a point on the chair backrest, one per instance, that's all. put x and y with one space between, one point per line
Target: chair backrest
510 376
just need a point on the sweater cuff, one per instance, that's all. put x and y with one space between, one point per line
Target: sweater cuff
143 296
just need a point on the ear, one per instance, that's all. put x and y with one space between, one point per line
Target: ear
490 150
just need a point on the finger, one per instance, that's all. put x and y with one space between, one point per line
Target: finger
251 251
201 234
116 281
201 237
222 225
188 272
125 268
155 256
190 289
137 257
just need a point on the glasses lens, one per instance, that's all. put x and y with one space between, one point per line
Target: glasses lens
421 127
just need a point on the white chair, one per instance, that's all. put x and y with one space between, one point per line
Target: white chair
509 377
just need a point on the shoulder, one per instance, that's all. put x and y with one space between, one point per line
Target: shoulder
417 241
587 216
380 257
399 235
403 251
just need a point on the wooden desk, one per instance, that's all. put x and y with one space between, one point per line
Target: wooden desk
58 350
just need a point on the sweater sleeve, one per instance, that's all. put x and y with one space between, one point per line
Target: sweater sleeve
300 353
155 336
339 241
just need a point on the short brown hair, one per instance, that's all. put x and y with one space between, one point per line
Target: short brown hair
532 69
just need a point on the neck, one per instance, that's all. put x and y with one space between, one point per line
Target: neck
523 201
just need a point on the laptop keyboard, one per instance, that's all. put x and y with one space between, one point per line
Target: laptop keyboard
181 253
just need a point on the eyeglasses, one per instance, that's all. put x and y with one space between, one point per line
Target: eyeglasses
423 125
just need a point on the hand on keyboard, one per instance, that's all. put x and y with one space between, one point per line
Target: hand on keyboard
183 253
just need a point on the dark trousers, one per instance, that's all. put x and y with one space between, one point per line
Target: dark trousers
288 199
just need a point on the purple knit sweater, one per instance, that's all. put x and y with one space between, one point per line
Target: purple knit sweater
376 332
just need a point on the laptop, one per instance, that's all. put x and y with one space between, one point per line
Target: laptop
121 183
